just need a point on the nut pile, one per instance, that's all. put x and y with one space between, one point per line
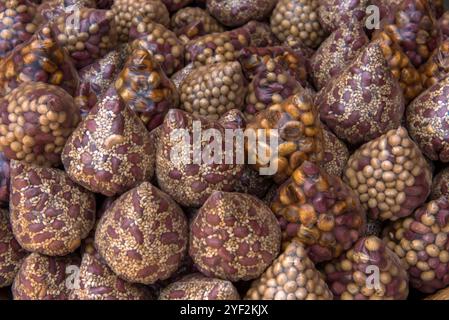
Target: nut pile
224 149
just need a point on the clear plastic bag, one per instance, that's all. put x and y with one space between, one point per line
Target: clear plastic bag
145 88
87 39
192 22
320 210
17 24
390 175
40 59
4 180
437 67
300 135
422 242
369 271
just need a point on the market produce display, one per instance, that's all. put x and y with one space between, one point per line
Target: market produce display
224 150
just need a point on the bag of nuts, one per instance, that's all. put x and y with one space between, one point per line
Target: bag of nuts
369 271
336 153
413 26
217 47
422 242
40 59
211 91
299 20
165 46
144 87
440 184
320 210
336 13
390 175
427 121
17 24
437 67
402 69
175 5
364 101
295 126
339 49
96 78
93 37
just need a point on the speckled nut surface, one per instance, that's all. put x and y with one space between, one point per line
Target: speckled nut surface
427 121
11 253
50 214
184 19
349 276
145 88
39 59
386 7
292 276
234 237
390 175
190 183
320 210
178 77
44 278
422 242
95 36
440 184
298 19
36 120
96 78
339 49
131 15
364 101
233 13
199 287
98 282
17 24
143 236
402 69
211 91
300 135
336 154
255 60
165 46
413 26
437 67
217 47
110 152
4 180
335 13
175 5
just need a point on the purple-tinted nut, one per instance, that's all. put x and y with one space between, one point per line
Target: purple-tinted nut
336 154
349 276
234 237
299 20
390 175
178 77
50 214
191 22
191 180
440 184
4 180
436 67
364 101
251 182
427 120
98 282
320 210
11 253
422 242
143 236
198 287
131 15
45 278
339 49
292 276
386 7
336 13
260 34
236 13
111 151
36 120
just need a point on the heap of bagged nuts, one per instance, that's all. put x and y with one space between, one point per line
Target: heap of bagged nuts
254 149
